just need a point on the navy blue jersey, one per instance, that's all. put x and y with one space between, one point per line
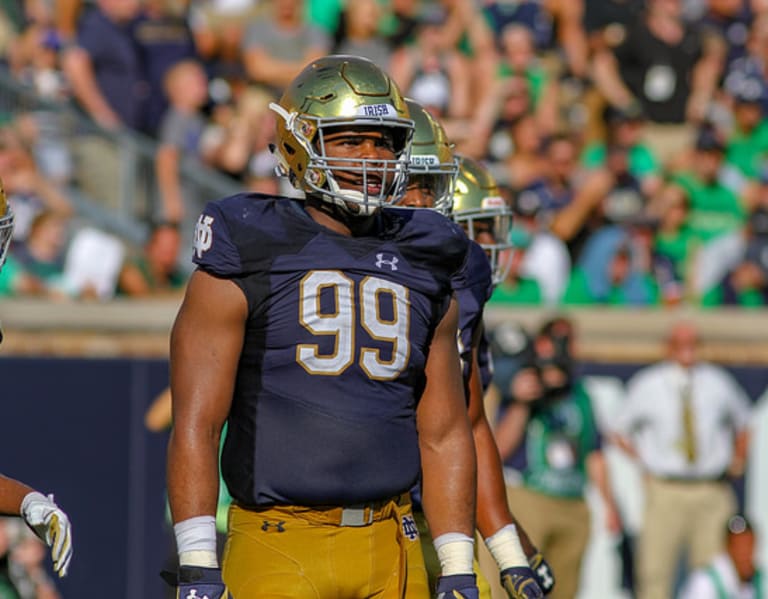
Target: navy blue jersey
485 361
473 286
332 365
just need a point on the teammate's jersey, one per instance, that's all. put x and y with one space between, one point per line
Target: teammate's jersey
332 365
485 361
473 286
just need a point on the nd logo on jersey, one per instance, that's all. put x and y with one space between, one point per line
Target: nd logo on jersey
203 235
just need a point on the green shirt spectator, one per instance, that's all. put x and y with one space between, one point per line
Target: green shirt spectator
746 150
560 435
522 291
642 162
607 273
714 209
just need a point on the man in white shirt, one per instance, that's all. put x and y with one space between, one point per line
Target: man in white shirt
731 574
686 423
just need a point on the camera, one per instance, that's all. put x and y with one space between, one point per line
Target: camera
548 354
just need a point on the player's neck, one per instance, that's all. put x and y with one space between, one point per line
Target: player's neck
337 220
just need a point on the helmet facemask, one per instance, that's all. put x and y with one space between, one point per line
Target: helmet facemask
496 220
320 177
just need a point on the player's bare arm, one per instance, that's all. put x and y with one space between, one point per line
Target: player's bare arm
445 440
206 341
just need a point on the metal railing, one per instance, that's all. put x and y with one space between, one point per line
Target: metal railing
133 191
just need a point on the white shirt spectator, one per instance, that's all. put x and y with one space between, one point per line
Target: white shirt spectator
547 261
651 416
718 581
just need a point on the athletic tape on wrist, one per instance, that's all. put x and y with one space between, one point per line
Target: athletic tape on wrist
456 553
506 549
196 541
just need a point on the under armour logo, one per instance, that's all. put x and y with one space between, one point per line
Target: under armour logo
409 528
382 260
203 235
193 595
545 577
278 526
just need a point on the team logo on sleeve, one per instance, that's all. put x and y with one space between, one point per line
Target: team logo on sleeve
203 235
389 260
409 528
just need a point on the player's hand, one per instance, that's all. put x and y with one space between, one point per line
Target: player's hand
520 583
457 586
51 524
543 572
197 582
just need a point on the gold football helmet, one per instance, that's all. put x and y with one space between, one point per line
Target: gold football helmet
479 208
6 224
432 157
335 93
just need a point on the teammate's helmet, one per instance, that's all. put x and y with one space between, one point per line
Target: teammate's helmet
341 92
478 206
432 156
6 224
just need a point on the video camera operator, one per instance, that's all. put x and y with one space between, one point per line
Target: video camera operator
547 433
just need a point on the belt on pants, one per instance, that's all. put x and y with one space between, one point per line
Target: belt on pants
352 515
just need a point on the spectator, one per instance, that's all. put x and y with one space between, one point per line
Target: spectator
557 187
548 415
277 46
686 422
515 287
715 208
674 245
747 144
670 68
36 267
746 282
553 24
239 146
752 66
437 76
465 28
359 34
624 128
519 58
525 164
28 190
218 27
104 67
155 271
729 20
164 39
546 258
611 271
180 135
732 573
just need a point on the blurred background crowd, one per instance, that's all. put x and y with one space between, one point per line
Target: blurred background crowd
629 136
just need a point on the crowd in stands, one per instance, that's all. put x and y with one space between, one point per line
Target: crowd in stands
629 136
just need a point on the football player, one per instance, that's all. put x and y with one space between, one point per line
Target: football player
474 201
323 331
41 513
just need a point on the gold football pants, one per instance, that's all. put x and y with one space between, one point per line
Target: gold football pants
293 552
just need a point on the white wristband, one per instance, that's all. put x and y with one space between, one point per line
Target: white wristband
456 553
505 548
196 541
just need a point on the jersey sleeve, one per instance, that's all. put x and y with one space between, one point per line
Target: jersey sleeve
214 249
